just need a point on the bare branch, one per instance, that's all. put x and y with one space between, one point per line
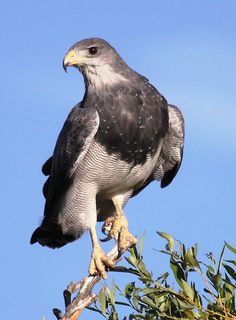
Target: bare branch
85 296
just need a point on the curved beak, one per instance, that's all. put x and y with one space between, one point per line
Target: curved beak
72 58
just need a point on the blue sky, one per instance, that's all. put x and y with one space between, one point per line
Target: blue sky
187 50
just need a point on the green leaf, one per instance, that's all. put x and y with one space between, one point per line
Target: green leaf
134 252
230 271
221 259
113 315
141 244
184 304
129 288
180 278
182 250
149 302
189 292
132 260
125 270
231 261
163 277
190 314
195 248
211 269
191 259
111 294
210 273
203 315
165 252
146 275
169 238
119 289
178 272
136 260
217 281
230 247
149 290
136 297
102 300
229 290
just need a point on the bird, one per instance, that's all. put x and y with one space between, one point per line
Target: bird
122 136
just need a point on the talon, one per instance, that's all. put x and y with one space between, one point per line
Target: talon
126 240
99 263
106 239
104 231
117 228
99 260
106 228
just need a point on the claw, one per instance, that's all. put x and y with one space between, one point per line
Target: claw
104 231
107 226
126 240
117 228
100 262
107 238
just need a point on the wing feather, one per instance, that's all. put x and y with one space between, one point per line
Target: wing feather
46 168
171 153
72 144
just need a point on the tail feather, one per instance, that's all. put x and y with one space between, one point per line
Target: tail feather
53 238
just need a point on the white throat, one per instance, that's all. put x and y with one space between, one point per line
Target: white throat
102 75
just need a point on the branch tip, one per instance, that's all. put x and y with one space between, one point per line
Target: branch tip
67 297
58 314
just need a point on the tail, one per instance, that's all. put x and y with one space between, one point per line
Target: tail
52 238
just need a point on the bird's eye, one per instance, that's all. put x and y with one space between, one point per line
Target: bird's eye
93 50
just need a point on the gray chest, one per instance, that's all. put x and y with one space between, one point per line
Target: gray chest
111 174
103 175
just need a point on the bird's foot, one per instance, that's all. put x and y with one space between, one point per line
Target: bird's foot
99 262
117 228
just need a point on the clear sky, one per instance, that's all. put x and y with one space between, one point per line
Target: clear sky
187 50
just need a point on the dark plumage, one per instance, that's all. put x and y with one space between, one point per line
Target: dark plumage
122 136
129 119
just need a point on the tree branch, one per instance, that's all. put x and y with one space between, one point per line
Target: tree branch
85 296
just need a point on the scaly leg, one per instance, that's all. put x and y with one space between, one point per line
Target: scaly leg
117 227
99 260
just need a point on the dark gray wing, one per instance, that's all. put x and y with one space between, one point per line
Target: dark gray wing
171 153
46 168
72 144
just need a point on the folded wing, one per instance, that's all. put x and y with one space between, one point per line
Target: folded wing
171 153
72 144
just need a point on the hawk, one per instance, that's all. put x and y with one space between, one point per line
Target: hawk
119 138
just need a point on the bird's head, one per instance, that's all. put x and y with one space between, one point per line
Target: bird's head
97 60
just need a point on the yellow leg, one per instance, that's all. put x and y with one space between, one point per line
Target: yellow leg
118 228
99 260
